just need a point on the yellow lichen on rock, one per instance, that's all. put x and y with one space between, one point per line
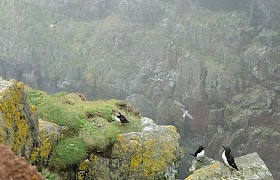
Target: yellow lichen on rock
204 172
18 127
173 128
46 148
82 169
150 154
147 153
33 108
49 134
93 158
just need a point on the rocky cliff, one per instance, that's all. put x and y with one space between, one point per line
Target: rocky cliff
97 148
217 58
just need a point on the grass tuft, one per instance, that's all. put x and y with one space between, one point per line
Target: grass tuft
68 151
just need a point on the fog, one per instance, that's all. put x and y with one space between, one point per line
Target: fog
211 68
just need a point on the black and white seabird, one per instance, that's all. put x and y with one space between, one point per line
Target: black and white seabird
120 118
228 158
199 154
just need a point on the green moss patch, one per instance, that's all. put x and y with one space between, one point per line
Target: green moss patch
91 123
68 151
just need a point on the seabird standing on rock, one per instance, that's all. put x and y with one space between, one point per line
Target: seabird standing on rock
120 118
228 158
199 154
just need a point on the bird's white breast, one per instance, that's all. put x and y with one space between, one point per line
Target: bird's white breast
117 119
225 158
201 154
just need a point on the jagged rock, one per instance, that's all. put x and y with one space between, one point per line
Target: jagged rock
251 167
151 154
18 126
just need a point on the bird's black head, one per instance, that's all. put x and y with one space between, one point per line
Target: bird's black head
227 149
202 147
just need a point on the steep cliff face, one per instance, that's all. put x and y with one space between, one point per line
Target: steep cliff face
217 58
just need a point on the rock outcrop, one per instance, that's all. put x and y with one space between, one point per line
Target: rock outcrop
18 125
153 153
251 166
49 135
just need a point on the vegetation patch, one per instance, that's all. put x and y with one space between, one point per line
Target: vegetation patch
91 123
266 131
68 151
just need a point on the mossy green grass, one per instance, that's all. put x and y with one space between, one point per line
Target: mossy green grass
91 123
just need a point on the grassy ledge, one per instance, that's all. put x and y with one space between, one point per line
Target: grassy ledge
90 122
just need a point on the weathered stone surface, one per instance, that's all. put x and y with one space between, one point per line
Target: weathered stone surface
153 153
199 164
251 167
49 135
18 126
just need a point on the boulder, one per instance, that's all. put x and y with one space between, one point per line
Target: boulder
251 167
49 135
18 125
153 153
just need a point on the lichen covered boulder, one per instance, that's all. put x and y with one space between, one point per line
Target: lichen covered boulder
49 135
18 125
251 167
151 154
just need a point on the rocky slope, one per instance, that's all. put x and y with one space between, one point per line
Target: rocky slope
217 58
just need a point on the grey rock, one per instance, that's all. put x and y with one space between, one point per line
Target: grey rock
153 153
251 167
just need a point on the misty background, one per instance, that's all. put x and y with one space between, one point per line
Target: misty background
219 59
